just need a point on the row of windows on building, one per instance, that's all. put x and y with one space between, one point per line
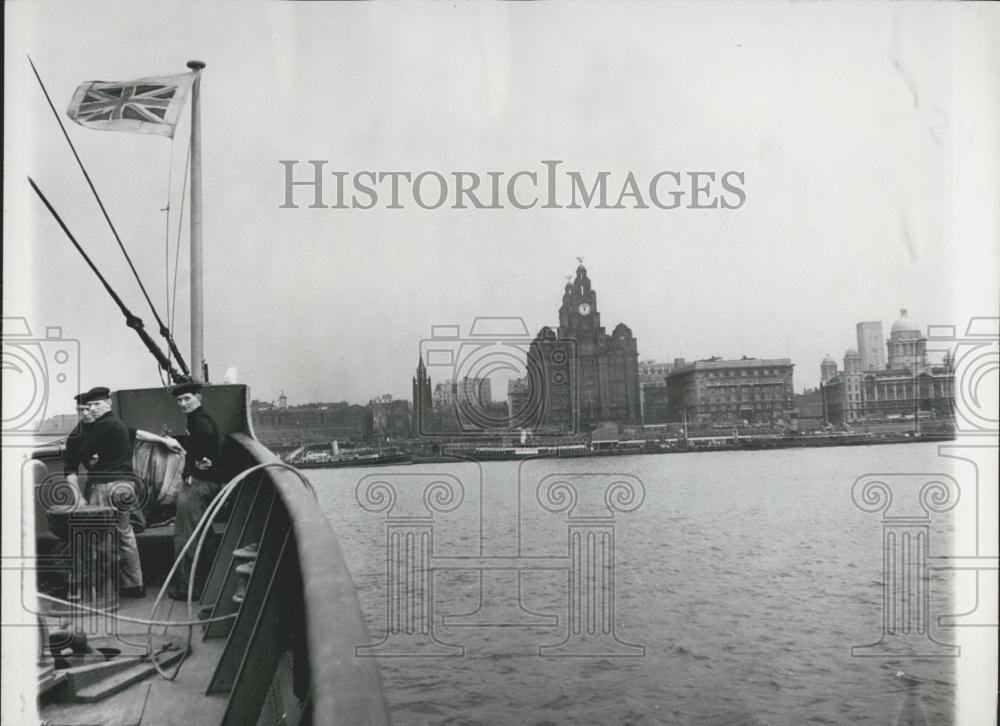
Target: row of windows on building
745 372
904 392
748 393
713 406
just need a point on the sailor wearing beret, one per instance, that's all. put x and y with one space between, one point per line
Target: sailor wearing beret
202 478
104 447
71 450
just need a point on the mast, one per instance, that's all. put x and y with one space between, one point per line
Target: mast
198 367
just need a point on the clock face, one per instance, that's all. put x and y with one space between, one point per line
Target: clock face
583 308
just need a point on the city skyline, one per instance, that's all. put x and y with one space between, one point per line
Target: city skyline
499 394
803 370
842 220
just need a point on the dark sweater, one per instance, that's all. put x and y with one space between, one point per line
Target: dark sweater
202 441
74 440
109 438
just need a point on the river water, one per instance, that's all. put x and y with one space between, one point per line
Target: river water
732 589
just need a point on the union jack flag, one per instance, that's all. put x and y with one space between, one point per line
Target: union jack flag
145 106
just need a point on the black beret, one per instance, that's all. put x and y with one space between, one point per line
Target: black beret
185 388
94 394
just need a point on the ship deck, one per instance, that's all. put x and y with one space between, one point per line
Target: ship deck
153 699
131 692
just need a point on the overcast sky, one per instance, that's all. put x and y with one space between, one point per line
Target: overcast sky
867 135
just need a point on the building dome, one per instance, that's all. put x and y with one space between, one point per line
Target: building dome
828 361
851 353
904 324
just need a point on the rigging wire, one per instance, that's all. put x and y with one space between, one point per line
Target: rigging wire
131 320
164 331
166 235
171 294
172 317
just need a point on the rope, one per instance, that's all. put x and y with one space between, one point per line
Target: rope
201 531
131 320
163 329
127 619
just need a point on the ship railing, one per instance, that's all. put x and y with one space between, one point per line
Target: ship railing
298 620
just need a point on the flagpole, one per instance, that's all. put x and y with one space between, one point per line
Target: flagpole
197 304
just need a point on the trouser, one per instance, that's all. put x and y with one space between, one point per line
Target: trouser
121 495
193 498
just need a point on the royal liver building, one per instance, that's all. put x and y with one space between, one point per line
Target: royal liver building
590 376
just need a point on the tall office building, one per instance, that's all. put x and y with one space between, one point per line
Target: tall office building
871 346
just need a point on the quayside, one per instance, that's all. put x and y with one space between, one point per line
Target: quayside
282 614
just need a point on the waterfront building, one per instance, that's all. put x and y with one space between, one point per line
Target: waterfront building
909 388
653 391
847 405
422 406
518 397
312 422
716 391
907 346
475 393
808 414
871 345
827 369
589 375
391 418
465 405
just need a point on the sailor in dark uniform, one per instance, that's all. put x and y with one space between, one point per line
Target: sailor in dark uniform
72 462
71 450
104 448
202 477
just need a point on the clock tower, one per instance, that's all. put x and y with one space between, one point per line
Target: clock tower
602 369
579 305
